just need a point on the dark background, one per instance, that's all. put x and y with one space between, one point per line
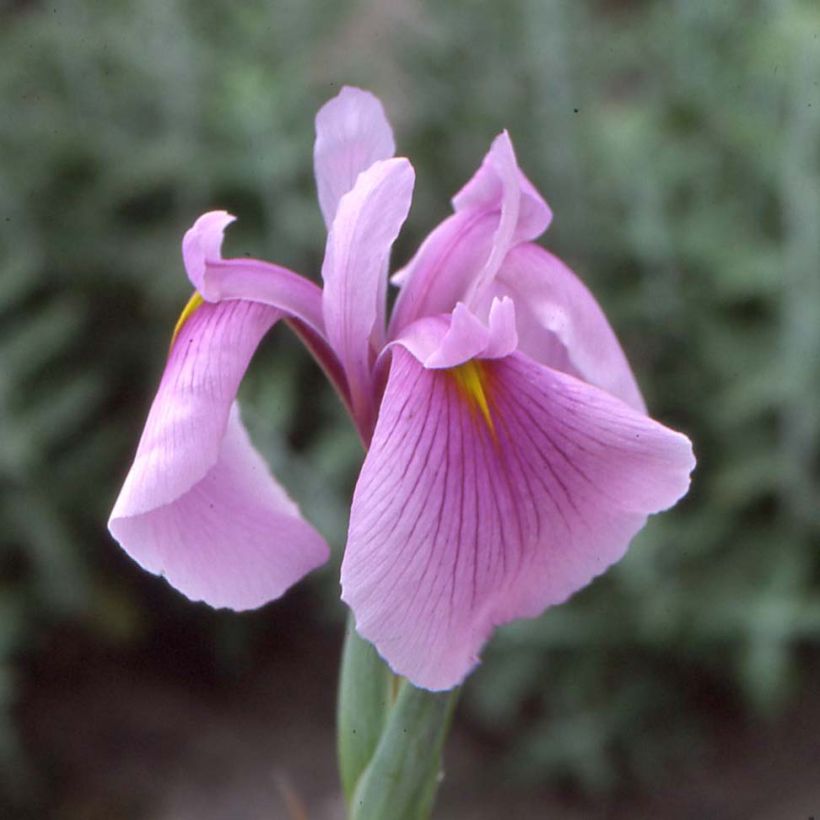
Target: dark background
678 143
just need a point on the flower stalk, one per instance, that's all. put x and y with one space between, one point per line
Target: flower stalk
390 737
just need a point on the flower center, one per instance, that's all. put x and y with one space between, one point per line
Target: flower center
472 382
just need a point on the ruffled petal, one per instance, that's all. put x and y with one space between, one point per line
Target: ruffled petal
490 492
444 342
352 132
560 323
367 222
198 504
496 210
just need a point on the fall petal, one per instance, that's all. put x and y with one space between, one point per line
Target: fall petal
233 540
518 485
198 504
218 279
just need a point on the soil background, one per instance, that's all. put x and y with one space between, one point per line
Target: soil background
159 733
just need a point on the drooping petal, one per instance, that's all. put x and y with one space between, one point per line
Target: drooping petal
352 132
497 209
367 222
218 279
198 505
490 492
561 324
202 244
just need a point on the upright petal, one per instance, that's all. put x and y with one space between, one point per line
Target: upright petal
496 210
352 132
498 184
490 492
198 505
560 323
367 222
443 269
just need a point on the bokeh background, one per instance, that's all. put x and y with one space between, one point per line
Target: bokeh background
678 143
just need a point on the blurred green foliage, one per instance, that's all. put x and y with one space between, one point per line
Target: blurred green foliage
677 143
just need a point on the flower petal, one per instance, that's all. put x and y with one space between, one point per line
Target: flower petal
443 268
367 222
489 494
497 209
198 504
219 279
438 344
561 325
498 184
352 132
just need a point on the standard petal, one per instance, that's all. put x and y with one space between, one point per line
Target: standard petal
443 268
489 494
561 325
367 222
352 132
500 183
496 210
198 504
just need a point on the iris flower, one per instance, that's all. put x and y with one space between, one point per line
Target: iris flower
509 455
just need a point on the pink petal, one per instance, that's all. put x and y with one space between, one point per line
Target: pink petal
502 338
219 279
441 272
499 183
465 338
367 222
561 325
489 521
201 244
497 209
445 342
352 132
198 504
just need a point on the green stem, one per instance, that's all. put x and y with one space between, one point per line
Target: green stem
366 692
402 778
390 737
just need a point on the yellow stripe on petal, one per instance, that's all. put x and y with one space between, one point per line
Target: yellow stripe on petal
193 303
472 381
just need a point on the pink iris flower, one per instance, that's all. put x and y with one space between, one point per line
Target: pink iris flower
510 458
